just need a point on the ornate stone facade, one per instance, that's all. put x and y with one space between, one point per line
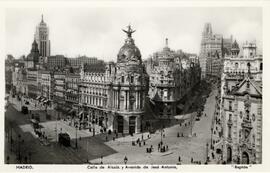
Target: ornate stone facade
241 106
114 98
171 78
212 44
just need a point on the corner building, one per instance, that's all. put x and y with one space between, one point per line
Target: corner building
119 92
129 88
241 106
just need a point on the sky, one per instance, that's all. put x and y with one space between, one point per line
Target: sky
97 32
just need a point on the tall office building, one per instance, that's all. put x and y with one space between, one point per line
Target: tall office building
42 39
212 44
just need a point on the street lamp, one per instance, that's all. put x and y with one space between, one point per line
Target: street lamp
76 142
207 152
211 145
19 152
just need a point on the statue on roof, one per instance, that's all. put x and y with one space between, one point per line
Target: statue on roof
129 31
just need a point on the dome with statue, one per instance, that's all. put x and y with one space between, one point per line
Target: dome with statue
129 53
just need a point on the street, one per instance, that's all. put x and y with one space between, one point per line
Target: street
97 149
185 147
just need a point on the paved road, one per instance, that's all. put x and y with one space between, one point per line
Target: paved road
53 154
186 147
114 151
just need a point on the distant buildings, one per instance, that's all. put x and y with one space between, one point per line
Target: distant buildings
56 62
212 44
42 39
241 106
77 62
214 66
172 75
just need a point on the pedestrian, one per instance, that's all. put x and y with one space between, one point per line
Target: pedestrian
167 148
158 146
125 159
179 159
191 159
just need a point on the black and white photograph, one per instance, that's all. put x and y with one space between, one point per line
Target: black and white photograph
133 85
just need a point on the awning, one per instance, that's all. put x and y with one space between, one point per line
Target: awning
180 106
34 121
71 111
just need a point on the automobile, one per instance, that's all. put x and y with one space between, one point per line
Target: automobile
197 119
27 102
24 109
64 139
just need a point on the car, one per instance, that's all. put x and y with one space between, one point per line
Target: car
197 119
27 102
24 109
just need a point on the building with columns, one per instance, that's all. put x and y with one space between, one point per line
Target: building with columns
241 106
114 96
42 39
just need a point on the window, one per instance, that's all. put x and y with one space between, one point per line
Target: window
123 79
132 79
230 105
261 66
230 117
248 84
236 65
229 131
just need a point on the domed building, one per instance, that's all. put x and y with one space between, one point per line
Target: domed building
115 98
129 87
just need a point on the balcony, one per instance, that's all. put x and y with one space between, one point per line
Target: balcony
230 123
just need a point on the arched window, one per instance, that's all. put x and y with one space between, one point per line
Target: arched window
236 65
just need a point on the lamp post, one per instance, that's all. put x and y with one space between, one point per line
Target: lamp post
19 147
207 152
211 145
76 141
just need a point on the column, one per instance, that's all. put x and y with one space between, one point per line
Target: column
126 124
128 104
139 100
125 100
136 102
138 124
